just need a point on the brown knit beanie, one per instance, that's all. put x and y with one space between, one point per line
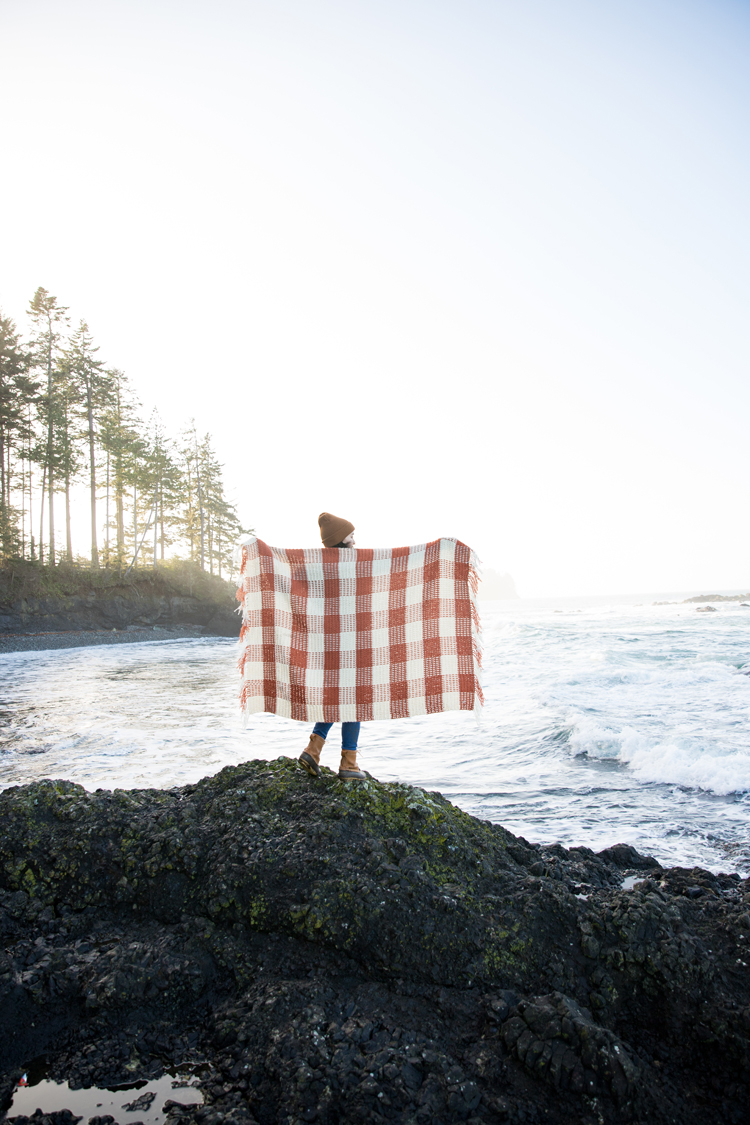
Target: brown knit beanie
333 529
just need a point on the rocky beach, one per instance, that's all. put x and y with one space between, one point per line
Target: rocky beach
317 951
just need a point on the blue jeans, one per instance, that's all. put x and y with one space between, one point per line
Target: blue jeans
349 733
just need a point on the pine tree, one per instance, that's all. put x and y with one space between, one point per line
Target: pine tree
49 320
210 523
189 519
121 442
151 474
17 392
69 459
160 477
94 393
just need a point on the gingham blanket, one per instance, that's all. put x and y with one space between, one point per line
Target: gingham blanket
342 635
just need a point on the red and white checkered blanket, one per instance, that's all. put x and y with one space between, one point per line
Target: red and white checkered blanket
343 635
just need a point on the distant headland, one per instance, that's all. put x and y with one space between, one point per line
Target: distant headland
496 586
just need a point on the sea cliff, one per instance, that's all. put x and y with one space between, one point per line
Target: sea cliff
332 952
38 601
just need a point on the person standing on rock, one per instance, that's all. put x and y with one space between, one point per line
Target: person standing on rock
335 532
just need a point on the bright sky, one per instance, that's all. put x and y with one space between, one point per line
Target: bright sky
473 268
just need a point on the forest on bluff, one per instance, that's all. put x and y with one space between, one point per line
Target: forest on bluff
66 419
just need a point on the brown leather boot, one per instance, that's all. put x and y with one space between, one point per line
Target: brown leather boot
310 759
348 770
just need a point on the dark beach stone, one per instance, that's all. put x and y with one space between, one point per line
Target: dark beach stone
623 855
140 1103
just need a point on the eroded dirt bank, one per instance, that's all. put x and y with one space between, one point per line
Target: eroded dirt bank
333 953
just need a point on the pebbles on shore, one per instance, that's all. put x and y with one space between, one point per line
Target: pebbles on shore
78 638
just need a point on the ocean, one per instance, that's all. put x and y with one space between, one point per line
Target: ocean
606 721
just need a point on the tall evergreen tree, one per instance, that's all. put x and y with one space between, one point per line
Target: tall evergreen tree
160 478
69 459
49 320
17 392
120 439
190 513
94 389
209 521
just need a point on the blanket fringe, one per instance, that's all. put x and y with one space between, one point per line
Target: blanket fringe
475 577
245 691
240 596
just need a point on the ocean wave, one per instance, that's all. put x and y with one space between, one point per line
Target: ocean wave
668 761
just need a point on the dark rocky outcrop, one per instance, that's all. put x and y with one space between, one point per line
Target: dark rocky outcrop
712 598
327 952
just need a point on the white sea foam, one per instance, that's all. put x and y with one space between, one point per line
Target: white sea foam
674 762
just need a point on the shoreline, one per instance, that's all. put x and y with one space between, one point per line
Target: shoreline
80 638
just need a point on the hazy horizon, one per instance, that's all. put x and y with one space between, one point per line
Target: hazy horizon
475 270
630 595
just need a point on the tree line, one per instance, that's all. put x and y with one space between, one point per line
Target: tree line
68 419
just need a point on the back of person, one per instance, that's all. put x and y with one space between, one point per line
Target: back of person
338 533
